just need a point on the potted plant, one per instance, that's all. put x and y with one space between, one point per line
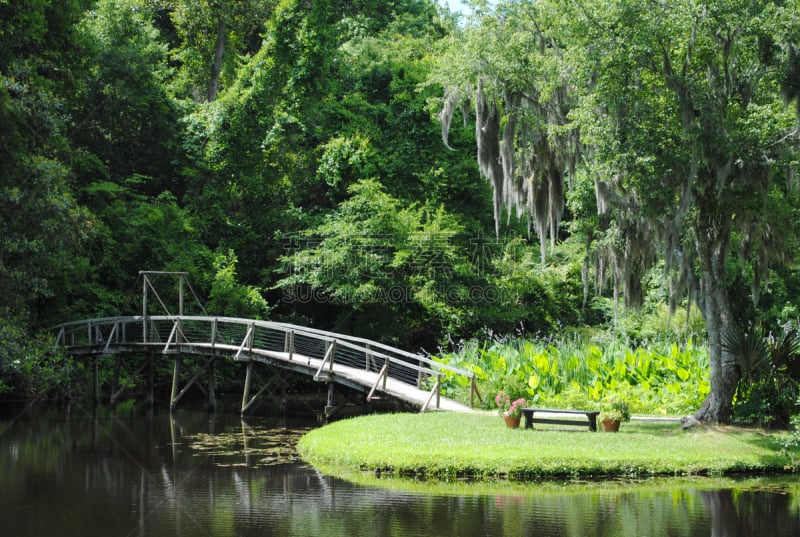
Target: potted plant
614 412
510 410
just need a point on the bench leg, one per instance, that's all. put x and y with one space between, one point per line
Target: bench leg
592 422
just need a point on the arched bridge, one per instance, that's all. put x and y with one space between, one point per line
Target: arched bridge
358 363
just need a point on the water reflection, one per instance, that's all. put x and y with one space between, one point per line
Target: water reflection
196 474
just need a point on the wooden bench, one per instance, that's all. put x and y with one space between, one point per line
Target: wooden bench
591 417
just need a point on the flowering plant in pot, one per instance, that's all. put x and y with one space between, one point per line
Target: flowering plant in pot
507 407
614 411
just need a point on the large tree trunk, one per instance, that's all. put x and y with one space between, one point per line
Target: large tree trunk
713 237
219 53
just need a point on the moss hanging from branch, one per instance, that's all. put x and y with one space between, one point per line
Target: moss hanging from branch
516 156
487 134
452 100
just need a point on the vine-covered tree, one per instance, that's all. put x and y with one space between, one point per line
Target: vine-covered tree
672 109
212 36
328 100
125 119
40 222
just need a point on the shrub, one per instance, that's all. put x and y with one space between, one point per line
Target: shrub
769 365
615 408
661 378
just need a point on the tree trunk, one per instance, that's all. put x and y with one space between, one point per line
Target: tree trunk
713 237
219 53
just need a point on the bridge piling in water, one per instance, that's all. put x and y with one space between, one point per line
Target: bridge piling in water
212 385
193 381
115 391
176 375
247 401
331 403
150 383
96 380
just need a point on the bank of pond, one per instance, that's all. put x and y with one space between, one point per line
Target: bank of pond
480 447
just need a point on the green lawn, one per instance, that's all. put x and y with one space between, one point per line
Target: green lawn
480 446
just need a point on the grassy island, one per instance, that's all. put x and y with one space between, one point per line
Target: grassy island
479 446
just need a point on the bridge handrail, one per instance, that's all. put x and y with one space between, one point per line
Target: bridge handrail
278 326
371 348
375 344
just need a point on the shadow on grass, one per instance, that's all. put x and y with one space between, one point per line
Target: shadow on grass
774 441
641 427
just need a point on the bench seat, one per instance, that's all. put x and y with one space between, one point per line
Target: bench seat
590 415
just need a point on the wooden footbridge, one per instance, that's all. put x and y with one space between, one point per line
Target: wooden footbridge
367 366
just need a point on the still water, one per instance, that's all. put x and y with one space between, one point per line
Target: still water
98 473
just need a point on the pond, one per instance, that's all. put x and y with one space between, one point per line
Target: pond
79 472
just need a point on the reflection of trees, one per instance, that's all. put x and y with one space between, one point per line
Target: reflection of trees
725 520
737 513
605 513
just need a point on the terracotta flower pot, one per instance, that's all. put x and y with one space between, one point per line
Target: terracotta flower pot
511 422
610 426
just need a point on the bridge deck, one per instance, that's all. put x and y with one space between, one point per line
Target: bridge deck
359 378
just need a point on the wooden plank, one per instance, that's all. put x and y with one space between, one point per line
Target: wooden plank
582 423
561 411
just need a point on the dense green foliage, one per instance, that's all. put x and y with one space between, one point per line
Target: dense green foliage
288 156
769 388
659 378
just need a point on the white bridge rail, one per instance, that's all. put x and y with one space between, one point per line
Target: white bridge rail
327 356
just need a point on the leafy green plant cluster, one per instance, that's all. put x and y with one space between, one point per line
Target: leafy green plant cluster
769 374
660 378
791 444
30 369
616 408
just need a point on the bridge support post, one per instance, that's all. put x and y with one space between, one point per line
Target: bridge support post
115 378
330 406
212 394
266 386
150 398
96 381
200 371
176 373
247 380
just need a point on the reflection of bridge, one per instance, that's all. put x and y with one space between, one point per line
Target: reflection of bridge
367 366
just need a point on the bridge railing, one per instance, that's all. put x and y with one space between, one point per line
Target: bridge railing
248 338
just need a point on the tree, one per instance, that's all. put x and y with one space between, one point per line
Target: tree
41 225
126 133
211 36
395 269
673 111
229 297
125 119
329 100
